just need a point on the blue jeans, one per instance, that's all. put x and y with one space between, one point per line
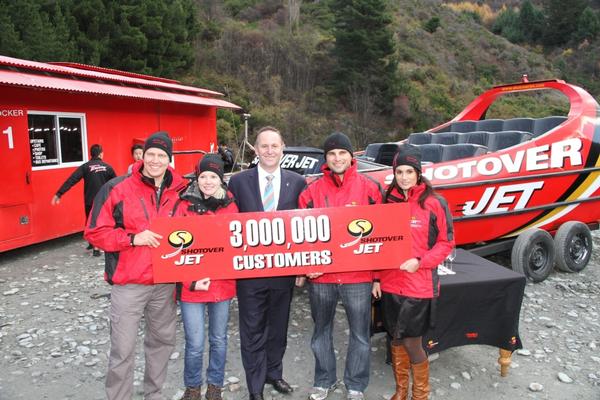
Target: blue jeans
193 315
356 298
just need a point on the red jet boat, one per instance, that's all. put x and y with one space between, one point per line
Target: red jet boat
529 185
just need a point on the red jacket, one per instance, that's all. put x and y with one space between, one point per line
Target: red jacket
219 290
432 240
123 206
329 191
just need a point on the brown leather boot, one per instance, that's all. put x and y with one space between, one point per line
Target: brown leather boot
420 389
400 366
192 393
213 392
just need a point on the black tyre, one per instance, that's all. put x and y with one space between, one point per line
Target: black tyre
533 254
573 246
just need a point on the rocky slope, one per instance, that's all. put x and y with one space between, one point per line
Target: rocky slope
54 338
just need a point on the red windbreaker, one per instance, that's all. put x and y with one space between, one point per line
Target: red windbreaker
219 290
126 205
329 191
432 240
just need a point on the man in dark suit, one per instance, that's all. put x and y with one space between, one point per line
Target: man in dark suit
264 303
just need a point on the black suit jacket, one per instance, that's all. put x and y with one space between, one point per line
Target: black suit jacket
246 190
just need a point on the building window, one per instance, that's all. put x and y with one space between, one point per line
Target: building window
49 149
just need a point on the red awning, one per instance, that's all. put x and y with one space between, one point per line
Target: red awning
23 79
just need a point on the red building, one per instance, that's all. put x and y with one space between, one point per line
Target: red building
50 114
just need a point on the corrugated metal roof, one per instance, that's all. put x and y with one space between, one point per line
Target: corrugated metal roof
17 78
91 72
112 71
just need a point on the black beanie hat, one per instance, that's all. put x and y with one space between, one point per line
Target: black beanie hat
408 155
211 162
160 140
337 140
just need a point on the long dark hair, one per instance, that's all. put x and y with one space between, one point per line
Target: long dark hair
429 191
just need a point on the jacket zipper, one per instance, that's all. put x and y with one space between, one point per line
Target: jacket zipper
145 209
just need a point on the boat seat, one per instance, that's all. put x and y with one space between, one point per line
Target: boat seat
543 125
489 125
463 126
431 152
479 132
386 153
477 137
505 139
518 124
419 138
462 150
371 151
445 137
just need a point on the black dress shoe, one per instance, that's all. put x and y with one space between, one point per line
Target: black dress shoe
280 385
256 396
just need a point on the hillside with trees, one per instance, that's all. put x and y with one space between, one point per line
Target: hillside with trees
375 69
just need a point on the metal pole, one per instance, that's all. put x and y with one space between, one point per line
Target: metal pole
246 116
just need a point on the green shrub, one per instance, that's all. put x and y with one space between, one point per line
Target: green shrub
432 24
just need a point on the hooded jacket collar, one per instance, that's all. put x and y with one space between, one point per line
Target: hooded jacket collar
397 195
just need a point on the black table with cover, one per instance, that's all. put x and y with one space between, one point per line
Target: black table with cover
480 304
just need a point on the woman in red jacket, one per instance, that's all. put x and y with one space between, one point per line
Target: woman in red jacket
206 195
408 293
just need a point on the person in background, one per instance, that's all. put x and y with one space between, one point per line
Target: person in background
137 152
408 294
264 303
206 195
340 186
94 173
119 224
226 156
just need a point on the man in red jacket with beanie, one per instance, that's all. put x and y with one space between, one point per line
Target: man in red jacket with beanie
340 186
118 224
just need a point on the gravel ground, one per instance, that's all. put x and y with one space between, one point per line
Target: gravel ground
54 338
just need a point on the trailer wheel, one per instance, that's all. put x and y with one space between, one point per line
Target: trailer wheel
533 254
573 246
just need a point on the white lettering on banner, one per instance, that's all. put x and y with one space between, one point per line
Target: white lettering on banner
281 243
189 259
12 113
368 248
533 159
266 232
282 260
499 199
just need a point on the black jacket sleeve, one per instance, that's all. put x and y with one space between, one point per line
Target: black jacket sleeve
75 177
111 173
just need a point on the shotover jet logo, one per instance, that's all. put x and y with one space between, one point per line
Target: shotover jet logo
361 228
179 240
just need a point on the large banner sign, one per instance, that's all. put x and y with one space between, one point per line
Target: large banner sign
295 242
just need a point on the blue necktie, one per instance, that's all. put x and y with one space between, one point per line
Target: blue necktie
269 195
